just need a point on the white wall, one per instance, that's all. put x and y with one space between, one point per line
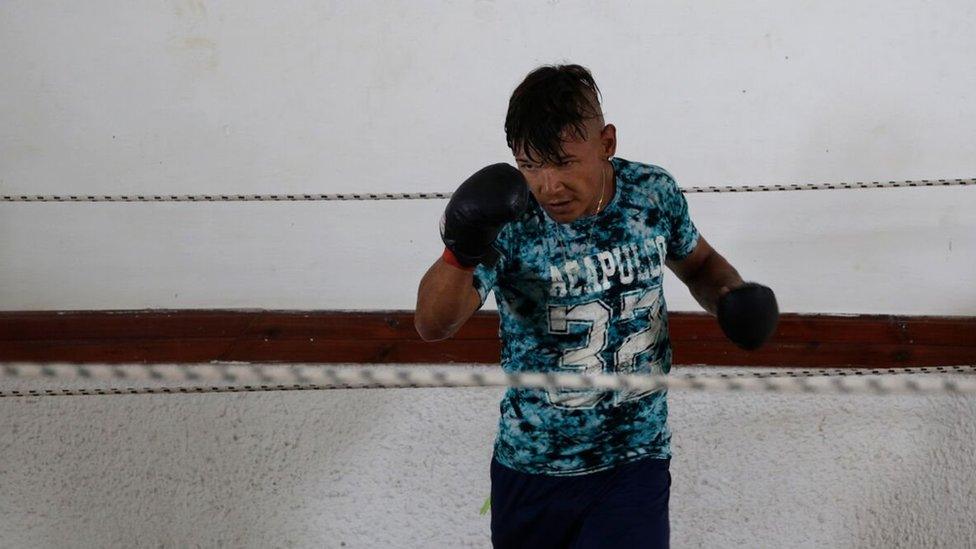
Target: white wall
255 97
245 97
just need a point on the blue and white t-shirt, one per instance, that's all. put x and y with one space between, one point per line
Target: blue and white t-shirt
586 296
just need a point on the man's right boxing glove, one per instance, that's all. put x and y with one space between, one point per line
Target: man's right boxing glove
478 209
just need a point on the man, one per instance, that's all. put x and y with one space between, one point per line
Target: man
573 243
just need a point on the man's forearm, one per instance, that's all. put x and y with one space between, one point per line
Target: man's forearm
714 279
445 300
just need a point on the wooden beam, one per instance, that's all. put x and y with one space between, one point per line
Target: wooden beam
389 337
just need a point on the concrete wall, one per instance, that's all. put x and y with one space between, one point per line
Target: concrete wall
409 468
250 97
242 97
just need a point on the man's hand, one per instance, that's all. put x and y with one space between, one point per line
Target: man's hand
479 208
748 314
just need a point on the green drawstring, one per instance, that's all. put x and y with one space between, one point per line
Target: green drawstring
486 507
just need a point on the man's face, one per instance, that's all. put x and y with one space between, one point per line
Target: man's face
570 188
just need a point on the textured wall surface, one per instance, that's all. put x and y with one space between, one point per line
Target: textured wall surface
301 96
188 96
408 468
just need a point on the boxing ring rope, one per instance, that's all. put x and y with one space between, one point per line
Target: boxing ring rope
292 197
204 378
252 377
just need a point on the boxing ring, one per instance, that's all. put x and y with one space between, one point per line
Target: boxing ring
395 406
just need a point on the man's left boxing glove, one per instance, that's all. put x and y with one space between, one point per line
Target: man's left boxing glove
479 208
748 315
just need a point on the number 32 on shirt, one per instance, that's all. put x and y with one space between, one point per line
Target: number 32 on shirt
587 359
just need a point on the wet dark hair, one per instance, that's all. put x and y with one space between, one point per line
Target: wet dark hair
551 99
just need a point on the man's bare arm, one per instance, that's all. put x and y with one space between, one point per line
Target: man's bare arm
446 300
707 274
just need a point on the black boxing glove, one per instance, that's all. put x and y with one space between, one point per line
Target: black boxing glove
748 315
478 209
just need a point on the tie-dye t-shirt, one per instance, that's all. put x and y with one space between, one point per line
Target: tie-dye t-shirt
586 296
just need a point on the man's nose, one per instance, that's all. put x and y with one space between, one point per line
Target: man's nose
550 181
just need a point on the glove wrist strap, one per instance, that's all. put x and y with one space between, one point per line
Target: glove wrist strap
449 258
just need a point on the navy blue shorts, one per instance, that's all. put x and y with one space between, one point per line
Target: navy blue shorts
626 506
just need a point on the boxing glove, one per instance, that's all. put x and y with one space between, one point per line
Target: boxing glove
479 208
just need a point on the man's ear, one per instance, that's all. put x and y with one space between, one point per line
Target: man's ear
608 137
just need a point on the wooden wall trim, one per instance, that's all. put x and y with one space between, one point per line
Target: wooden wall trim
389 337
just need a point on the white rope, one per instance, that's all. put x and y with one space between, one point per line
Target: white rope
253 377
444 195
833 186
223 197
